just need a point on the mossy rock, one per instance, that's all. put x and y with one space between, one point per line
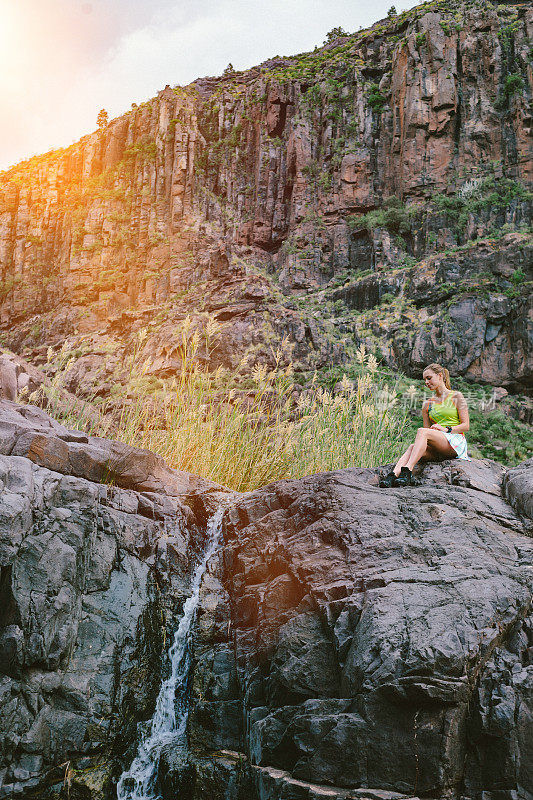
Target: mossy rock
91 783
177 773
224 774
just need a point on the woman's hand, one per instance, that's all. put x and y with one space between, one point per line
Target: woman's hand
437 427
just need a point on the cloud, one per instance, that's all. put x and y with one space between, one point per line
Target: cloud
49 51
66 59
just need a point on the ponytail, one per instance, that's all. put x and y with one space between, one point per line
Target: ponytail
441 371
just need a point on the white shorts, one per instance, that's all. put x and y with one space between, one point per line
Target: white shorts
458 442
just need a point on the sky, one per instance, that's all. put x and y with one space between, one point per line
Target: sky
61 61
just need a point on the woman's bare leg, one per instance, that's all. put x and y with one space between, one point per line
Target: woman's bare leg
432 439
429 455
402 461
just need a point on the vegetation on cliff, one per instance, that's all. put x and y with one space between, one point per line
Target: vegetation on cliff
241 438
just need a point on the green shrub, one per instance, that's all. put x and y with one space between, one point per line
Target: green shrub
325 180
492 193
394 216
312 170
513 84
518 276
500 437
408 261
376 99
335 33
234 136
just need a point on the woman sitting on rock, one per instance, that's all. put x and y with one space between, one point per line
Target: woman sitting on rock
445 418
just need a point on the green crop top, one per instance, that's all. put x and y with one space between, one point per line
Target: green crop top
444 413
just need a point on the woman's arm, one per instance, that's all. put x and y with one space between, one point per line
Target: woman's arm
462 410
425 413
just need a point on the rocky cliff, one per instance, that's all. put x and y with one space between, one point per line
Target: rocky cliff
376 642
91 577
351 642
382 157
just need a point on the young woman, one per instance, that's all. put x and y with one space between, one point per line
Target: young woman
445 418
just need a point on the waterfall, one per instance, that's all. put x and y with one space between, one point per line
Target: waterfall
170 718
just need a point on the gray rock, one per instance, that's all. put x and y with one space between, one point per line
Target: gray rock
90 577
8 378
177 775
383 639
29 432
351 641
518 487
11 650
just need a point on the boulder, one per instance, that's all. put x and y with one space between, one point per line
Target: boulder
8 379
177 774
29 432
378 643
92 579
518 488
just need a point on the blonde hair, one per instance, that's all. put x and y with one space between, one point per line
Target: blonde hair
440 370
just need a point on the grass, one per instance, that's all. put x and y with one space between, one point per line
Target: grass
246 430
244 439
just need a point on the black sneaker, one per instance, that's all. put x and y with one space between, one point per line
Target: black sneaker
404 478
386 481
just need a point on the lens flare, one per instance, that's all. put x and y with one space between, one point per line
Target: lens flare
9 34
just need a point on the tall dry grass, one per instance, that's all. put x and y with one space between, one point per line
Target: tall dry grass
245 440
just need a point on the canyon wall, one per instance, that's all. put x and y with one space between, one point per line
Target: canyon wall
382 149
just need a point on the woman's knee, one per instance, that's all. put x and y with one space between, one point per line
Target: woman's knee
422 433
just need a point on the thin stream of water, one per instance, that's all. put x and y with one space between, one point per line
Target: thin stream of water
169 722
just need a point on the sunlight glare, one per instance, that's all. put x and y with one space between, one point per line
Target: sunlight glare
9 35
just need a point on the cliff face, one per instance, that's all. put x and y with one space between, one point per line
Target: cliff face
88 222
410 108
96 543
381 149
